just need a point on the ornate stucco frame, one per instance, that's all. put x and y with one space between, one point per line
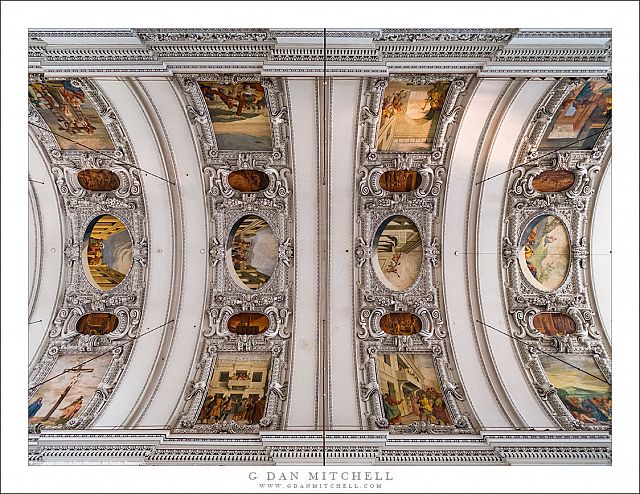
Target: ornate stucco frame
80 206
423 297
226 206
574 297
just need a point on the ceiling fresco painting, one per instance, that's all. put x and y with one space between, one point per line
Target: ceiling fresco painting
253 251
108 252
398 256
239 115
585 111
258 115
410 116
248 180
237 391
545 251
98 180
248 323
410 389
400 180
58 401
97 323
400 323
399 252
69 113
554 324
247 168
586 396
544 254
98 306
553 181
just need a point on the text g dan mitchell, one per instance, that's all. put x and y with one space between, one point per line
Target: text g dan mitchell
322 476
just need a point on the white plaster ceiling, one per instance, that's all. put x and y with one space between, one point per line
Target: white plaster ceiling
496 111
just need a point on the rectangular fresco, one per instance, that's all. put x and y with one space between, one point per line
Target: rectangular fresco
410 389
588 399
56 402
239 115
584 112
69 113
409 116
237 390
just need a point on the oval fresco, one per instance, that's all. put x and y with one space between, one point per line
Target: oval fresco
554 324
553 181
252 252
398 248
544 252
98 180
400 180
107 252
97 323
248 323
248 180
400 324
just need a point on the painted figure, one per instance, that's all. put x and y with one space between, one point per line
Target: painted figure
69 411
391 410
34 407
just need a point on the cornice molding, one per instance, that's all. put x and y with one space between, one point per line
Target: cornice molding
173 51
156 447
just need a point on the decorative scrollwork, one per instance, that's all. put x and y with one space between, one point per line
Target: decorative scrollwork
218 319
285 252
278 319
370 323
573 298
218 183
278 184
584 173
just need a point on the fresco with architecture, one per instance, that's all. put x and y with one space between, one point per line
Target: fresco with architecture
585 111
409 116
410 389
237 390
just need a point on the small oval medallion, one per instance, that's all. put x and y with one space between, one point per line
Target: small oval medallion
248 180
554 324
252 252
98 180
248 323
400 180
400 323
107 252
553 181
97 323
544 252
398 248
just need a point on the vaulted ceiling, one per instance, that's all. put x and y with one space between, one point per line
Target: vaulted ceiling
459 176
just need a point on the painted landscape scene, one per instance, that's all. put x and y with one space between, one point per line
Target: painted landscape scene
587 398
239 115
